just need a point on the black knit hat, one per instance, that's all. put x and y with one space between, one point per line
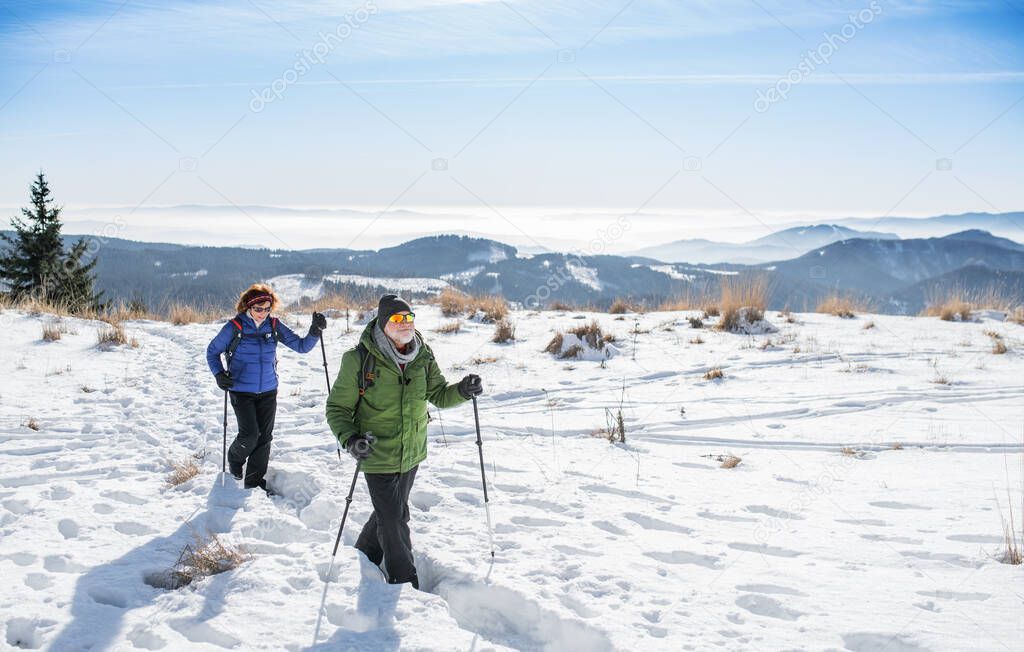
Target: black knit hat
388 305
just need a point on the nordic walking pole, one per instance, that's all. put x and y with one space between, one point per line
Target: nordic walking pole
224 445
337 541
327 377
483 476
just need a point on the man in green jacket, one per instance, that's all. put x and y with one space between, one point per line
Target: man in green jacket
385 427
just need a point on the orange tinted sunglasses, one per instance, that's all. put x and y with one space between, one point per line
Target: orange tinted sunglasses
398 319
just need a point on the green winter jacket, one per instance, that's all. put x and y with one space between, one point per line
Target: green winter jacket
394 408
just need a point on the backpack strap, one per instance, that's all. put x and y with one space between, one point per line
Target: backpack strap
367 370
273 329
236 340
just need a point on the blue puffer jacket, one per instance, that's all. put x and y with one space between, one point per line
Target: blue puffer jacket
254 364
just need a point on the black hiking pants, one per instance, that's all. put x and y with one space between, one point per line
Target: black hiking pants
385 536
255 414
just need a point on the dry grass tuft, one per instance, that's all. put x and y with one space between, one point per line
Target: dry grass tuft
957 303
952 310
614 429
450 327
181 314
714 373
731 462
207 556
554 347
896 446
868 326
840 306
504 331
494 309
572 352
1013 538
453 303
592 334
32 424
52 331
621 307
112 335
697 340
483 359
456 304
738 292
183 471
999 347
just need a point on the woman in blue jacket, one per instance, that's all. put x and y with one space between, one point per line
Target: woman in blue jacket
249 344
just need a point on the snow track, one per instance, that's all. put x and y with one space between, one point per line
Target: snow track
643 545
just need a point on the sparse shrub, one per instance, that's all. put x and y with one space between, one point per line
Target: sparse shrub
840 306
714 373
112 335
559 306
450 327
697 340
696 322
32 424
939 378
615 426
504 331
1013 538
998 347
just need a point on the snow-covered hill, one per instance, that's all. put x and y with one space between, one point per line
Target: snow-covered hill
646 545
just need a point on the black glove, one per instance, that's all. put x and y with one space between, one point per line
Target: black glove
471 386
318 324
360 446
224 380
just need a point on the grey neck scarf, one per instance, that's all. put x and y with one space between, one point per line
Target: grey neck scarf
389 349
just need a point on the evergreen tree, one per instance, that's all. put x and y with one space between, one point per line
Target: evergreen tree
35 263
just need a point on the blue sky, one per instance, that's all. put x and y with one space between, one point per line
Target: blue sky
590 105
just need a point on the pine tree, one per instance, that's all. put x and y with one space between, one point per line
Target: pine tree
35 263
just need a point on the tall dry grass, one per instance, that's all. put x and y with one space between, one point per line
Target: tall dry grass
841 305
957 304
454 303
748 291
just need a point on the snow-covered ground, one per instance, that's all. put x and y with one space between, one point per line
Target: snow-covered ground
646 545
